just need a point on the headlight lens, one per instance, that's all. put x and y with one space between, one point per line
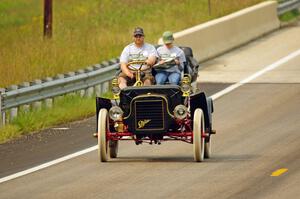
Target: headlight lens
185 88
116 90
180 112
115 113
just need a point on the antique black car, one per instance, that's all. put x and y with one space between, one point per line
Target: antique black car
153 114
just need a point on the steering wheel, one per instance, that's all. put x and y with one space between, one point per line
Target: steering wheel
137 69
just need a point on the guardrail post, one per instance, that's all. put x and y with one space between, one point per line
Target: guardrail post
105 63
81 92
90 91
48 101
2 112
105 87
37 105
97 87
98 90
59 76
13 111
71 74
26 107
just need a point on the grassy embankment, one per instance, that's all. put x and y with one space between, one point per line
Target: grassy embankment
84 33
289 16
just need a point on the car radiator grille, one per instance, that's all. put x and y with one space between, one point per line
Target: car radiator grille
149 115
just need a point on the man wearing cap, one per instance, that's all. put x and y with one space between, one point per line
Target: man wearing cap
173 69
137 51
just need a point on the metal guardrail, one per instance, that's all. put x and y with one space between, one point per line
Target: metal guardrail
92 80
287 6
57 87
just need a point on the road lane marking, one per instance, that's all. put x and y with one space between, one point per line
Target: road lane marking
214 97
61 128
256 75
47 164
279 172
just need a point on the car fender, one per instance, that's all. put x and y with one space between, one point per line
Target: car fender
199 100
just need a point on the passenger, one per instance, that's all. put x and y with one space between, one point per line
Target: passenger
169 52
137 51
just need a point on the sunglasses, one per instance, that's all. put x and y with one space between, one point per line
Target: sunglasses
138 36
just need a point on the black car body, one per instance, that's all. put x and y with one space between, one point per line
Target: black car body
154 114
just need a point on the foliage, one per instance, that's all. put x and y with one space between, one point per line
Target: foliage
88 32
84 33
294 14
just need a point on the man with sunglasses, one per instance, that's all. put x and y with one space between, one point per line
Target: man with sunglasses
172 58
137 51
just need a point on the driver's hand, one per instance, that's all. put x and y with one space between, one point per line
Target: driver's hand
148 63
177 62
130 75
161 62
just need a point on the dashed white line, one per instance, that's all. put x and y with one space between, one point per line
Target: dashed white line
61 128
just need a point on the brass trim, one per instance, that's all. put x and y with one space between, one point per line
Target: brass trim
163 116
150 95
142 123
115 83
186 80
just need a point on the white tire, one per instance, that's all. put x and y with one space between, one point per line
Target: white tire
198 140
102 128
113 148
207 149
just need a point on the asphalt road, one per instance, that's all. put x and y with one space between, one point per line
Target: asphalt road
257 133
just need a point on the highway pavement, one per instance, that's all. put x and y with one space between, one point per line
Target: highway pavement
256 151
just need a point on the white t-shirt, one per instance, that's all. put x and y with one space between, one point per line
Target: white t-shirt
175 52
134 53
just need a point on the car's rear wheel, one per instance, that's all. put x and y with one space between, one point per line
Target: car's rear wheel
113 148
102 141
198 139
207 149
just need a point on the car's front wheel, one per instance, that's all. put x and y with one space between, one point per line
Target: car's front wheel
102 141
198 138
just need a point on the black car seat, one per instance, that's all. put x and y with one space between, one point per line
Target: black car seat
191 65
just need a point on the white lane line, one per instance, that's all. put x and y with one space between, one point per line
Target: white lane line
257 74
214 97
61 128
47 164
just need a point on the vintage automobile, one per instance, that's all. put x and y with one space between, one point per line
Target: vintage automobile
153 114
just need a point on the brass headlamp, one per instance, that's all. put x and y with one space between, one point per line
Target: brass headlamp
186 86
115 89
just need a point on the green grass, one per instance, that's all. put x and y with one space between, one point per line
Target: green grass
289 16
84 33
9 132
88 32
66 109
